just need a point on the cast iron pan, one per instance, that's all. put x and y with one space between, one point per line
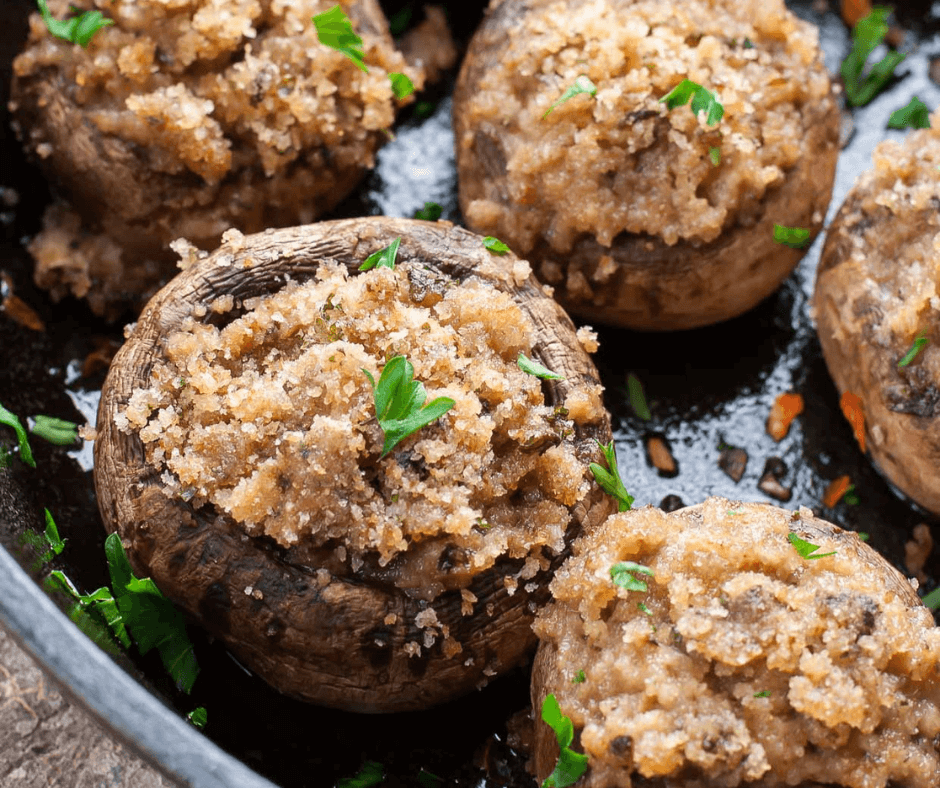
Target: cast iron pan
707 388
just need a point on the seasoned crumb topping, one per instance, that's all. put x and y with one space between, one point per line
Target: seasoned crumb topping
619 161
751 663
272 420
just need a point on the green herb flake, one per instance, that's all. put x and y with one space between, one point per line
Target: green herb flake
762 694
622 575
79 29
919 342
150 617
913 116
10 420
399 21
794 237
402 86
850 496
198 717
702 100
637 397
431 212
428 779
100 603
495 245
579 678
53 540
571 765
932 600
424 109
581 85
644 609
334 30
400 402
860 88
384 258
609 478
748 44
369 774
805 549
531 367
714 155
57 431
864 537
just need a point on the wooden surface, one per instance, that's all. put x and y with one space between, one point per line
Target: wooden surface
47 741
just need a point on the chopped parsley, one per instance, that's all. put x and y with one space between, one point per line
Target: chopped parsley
579 678
57 431
851 497
334 29
794 237
400 402
644 609
762 694
703 100
384 258
806 549
10 420
79 29
495 245
581 85
369 774
914 116
53 540
622 575
861 87
637 397
932 600
919 341
402 86
571 765
431 212
531 367
714 155
862 536
609 478
198 717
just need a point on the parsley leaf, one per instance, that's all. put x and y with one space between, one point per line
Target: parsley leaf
79 29
870 31
610 480
762 694
534 368
702 100
57 431
384 258
579 678
932 600
400 402
335 31
101 603
495 245
622 575
402 86
431 212
571 765
919 341
637 397
10 420
794 237
152 619
714 155
198 717
369 774
581 85
806 549
915 115
47 546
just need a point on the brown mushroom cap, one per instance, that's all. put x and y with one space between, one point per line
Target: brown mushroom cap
750 664
876 292
184 121
295 613
614 199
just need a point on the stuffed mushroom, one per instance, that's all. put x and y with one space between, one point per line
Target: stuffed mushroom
244 456
190 117
878 311
732 644
640 215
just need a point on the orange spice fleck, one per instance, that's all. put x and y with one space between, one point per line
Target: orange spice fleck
835 490
786 408
855 10
851 405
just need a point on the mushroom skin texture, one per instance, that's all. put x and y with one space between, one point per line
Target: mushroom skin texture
616 200
318 615
754 666
187 118
876 293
